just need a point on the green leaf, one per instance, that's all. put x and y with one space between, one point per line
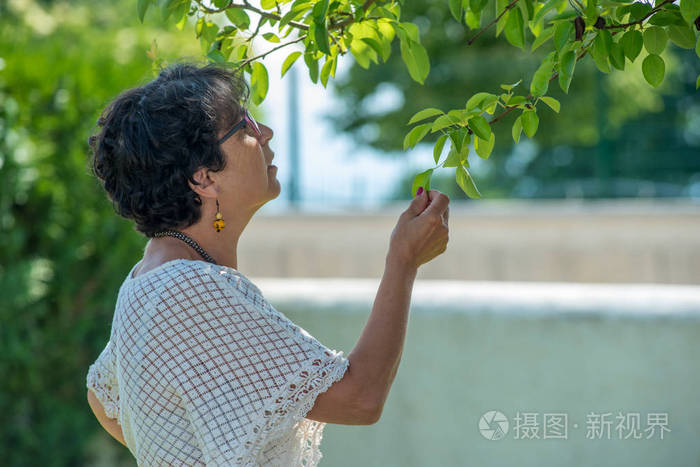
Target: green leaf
319 11
490 104
690 9
462 115
299 7
415 135
480 127
517 100
375 45
638 10
477 5
543 37
484 147
453 158
472 19
271 37
437 149
517 129
655 39
385 32
500 6
632 43
238 17
601 50
591 10
166 9
465 182
566 70
653 68
199 27
141 7
414 56
443 122
697 47
411 30
617 56
312 64
422 180
477 99
181 12
456 9
459 138
667 18
515 32
697 83
568 14
605 40
545 8
216 56
540 80
326 69
682 36
321 37
423 114
551 102
358 53
209 31
530 122
289 61
259 82
268 4
359 48
562 31
508 87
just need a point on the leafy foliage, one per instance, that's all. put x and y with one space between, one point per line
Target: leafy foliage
611 32
63 251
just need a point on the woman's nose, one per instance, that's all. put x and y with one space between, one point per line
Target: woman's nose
267 132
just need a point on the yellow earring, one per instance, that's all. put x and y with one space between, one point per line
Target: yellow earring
219 223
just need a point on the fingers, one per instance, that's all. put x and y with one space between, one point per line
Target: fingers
439 203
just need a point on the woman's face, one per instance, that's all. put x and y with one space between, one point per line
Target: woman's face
247 180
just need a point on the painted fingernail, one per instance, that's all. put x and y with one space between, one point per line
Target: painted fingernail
420 190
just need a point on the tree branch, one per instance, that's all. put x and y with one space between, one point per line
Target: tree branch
639 21
509 109
262 55
508 7
248 6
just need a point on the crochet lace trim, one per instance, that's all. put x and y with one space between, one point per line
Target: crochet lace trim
292 405
103 383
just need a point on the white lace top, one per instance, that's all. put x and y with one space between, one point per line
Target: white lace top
201 370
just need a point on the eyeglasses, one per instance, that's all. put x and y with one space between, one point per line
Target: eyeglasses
247 120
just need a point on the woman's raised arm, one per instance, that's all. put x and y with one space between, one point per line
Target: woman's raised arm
358 399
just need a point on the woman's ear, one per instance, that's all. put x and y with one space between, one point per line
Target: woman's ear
206 186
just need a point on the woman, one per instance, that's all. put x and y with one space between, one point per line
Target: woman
200 369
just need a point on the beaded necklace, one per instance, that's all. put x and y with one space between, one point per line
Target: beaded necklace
188 240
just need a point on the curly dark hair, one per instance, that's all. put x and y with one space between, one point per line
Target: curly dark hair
154 137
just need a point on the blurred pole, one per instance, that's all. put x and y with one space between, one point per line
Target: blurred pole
293 118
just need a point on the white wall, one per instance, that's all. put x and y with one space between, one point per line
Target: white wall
624 241
473 347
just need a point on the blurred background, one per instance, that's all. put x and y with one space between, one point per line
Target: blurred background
572 286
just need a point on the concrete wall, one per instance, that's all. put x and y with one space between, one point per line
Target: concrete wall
472 347
627 241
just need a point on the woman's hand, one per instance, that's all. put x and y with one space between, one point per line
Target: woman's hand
421 232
